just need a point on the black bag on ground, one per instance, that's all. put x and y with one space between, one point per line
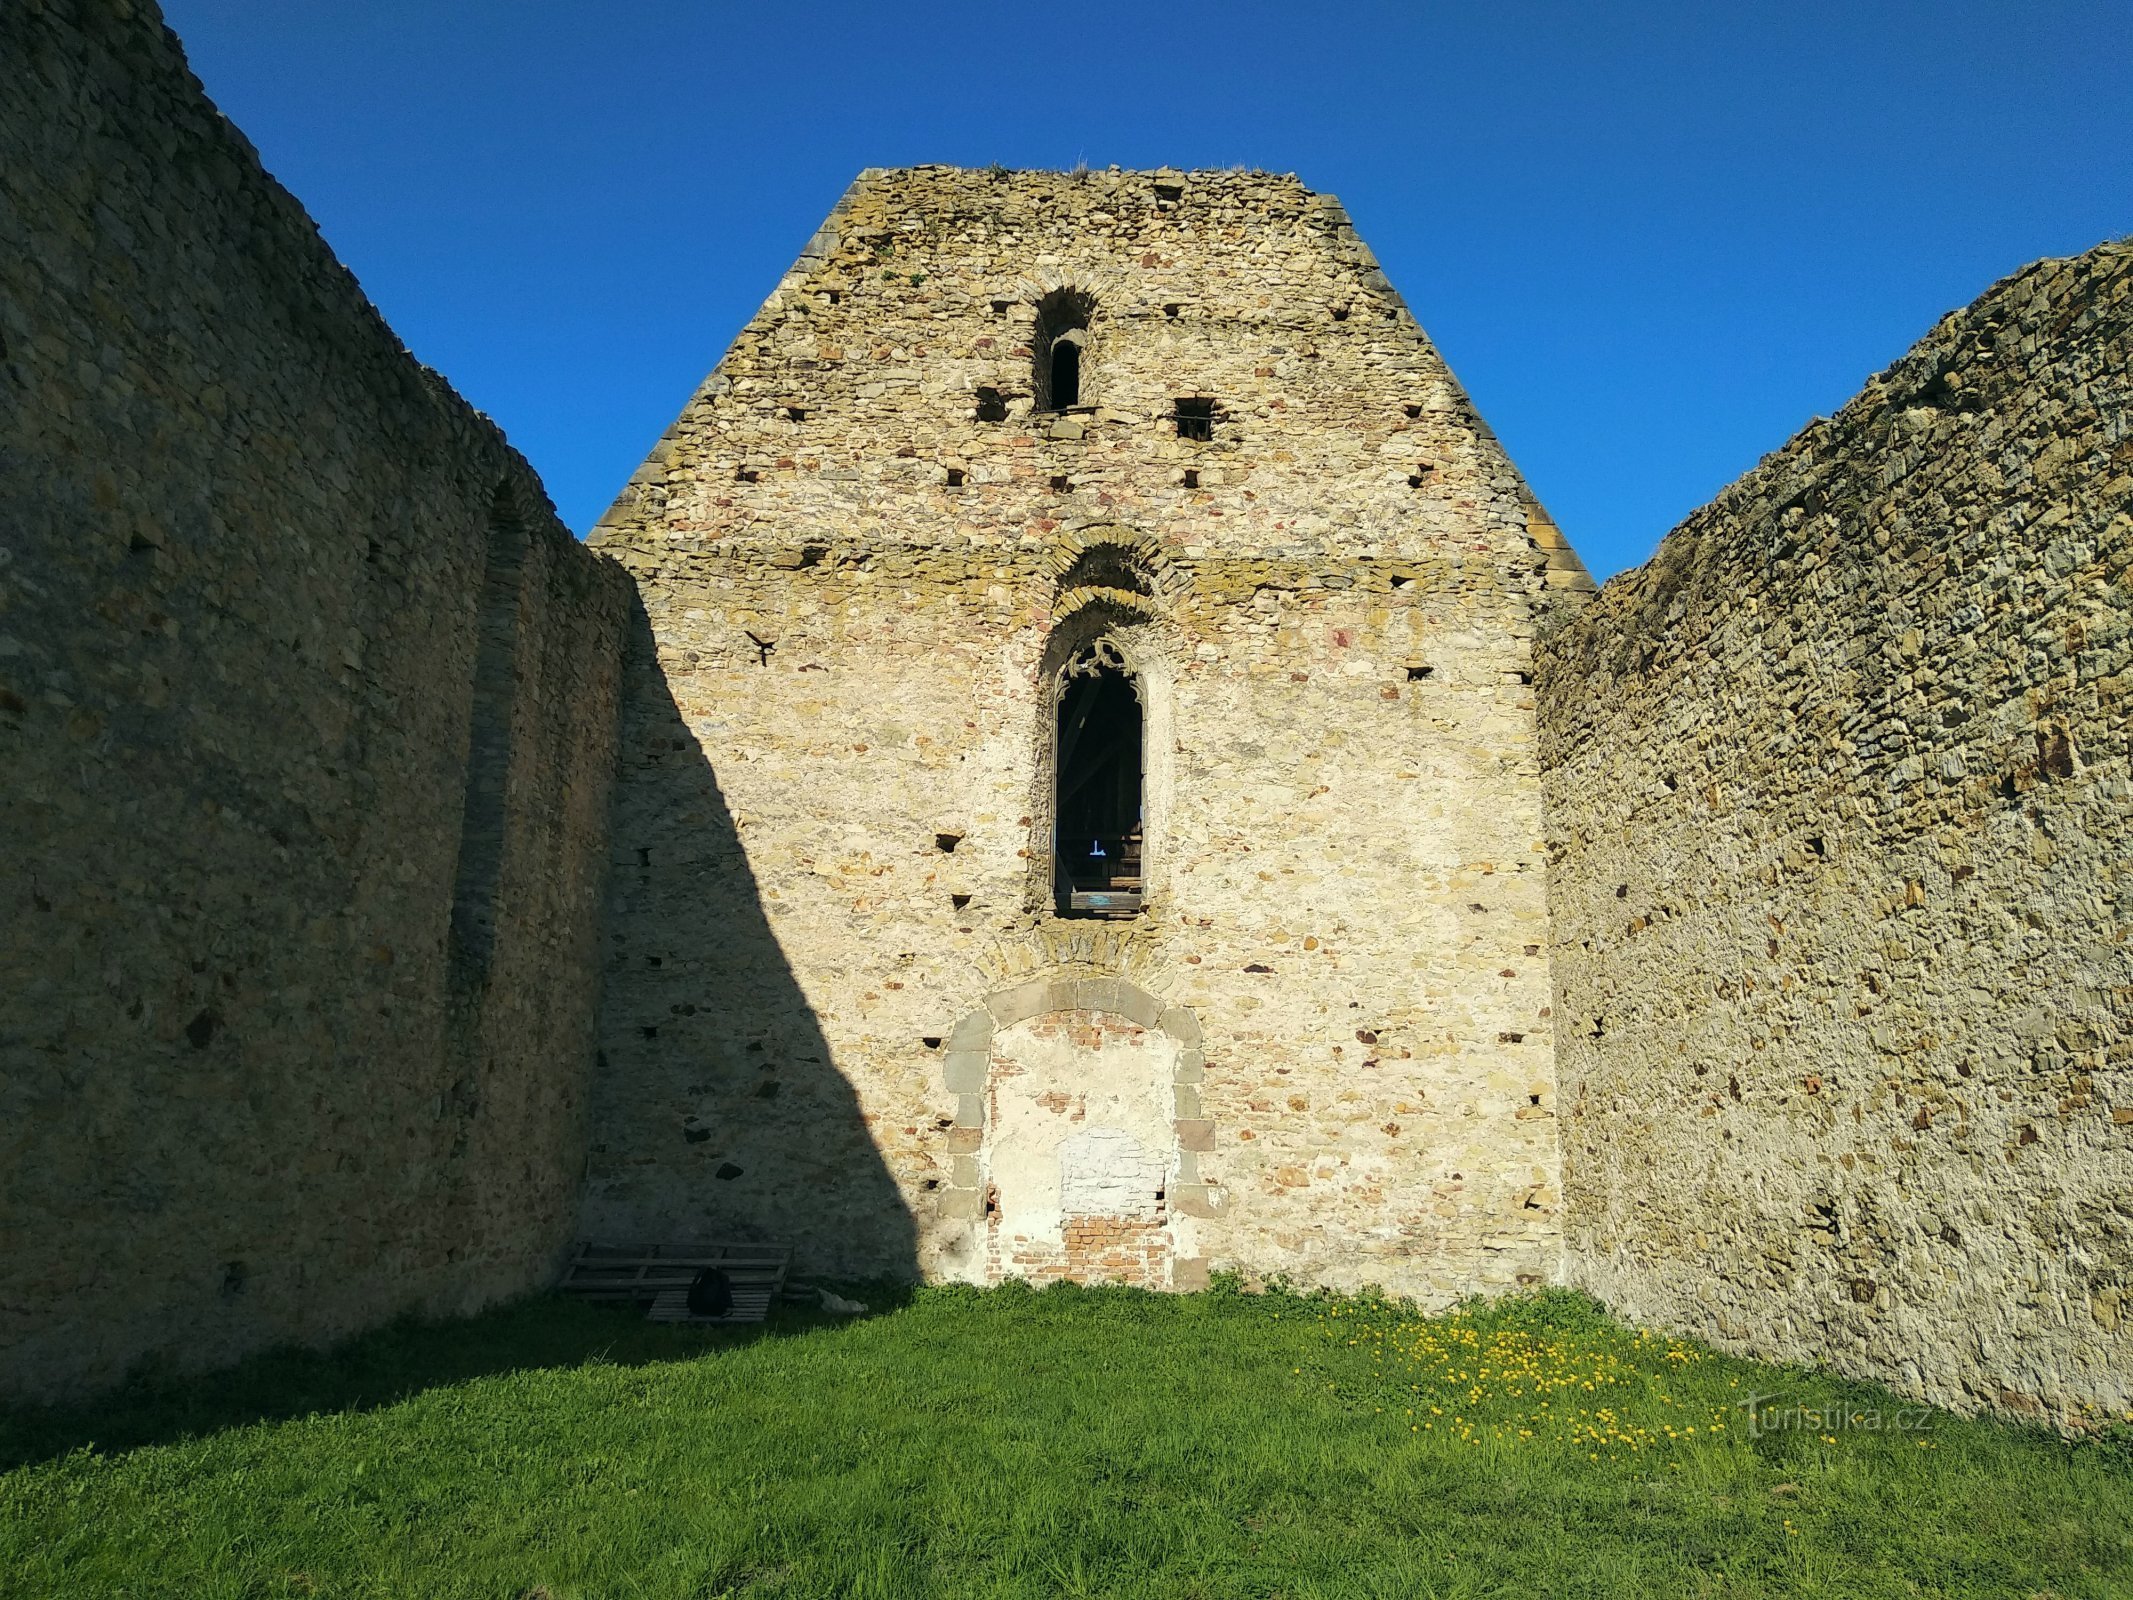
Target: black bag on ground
710 1293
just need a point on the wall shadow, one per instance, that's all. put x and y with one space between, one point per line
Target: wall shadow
389 1365
717 1113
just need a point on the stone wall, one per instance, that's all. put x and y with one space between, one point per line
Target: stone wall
1838 799
864 552
260 1078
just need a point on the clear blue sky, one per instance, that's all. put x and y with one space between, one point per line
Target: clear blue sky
1651 240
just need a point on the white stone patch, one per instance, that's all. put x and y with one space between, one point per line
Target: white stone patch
1106 1172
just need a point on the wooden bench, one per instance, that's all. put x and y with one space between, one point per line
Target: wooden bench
657 1277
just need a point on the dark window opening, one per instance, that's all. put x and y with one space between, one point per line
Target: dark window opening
1172 310
946 842
744 474
1059 484
1340 313
1192 478
999 307
955 477
1196 417
959 901
1059 368
472 937
992 406
1169 193
796 413
1412 412
1097 822
1417 674
1065 387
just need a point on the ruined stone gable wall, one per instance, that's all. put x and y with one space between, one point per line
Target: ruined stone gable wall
855 550
253 1086
1838 798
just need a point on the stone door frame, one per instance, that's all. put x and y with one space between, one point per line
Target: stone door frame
969 1061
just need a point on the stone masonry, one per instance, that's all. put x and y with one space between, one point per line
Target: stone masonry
306 712
1838 791
866 553
1076 757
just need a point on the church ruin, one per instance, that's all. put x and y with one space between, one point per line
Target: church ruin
1077 756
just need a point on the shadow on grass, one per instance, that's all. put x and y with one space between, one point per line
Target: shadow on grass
389 1365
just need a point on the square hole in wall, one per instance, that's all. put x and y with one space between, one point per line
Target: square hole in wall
1059 483
795 413
1417 674
744 474
955 477
1169 194
992 405
1191 479
1172 310
1340 313
1412 412
1196 417
1000 307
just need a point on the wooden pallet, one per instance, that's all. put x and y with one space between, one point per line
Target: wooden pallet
658 1277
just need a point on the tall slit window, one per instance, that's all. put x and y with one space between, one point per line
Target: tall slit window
1066 370
1060 350
481 824
1097 815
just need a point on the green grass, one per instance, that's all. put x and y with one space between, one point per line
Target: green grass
1073 1442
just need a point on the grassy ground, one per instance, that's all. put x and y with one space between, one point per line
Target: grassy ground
1073 1442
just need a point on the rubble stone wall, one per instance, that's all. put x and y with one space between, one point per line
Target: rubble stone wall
860 550
1839 799
258 1082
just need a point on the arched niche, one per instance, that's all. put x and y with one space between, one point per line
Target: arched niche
973 1203
1103 769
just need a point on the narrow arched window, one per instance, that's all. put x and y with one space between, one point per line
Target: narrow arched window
1061 350
1097 812
481 822
1066 370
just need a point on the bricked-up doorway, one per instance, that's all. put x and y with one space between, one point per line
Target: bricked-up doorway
1079 1132
1098 815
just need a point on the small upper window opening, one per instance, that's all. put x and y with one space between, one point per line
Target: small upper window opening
992 405
1059 351
999 307
955 477
1412 412
1172 309
1192 478
1340 313
796 413
1169 193
1196 417
1064 387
